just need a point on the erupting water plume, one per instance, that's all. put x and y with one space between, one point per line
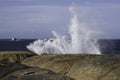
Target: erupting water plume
80 40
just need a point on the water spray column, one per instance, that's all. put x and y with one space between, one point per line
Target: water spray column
74 31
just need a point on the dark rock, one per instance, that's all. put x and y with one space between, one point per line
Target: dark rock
35 74
9 69
8 58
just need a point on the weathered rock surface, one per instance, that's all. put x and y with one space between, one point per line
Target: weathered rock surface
8 58
12 69
80 67
9 69
107 68
27 66
35 74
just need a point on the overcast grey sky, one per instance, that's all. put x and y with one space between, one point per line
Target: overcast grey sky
38 18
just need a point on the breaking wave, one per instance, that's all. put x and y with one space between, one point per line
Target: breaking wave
80 41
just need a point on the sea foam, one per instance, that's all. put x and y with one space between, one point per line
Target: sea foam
80 41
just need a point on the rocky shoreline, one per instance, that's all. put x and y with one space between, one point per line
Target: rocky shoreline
22 65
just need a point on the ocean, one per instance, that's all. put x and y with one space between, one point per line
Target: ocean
107 46
15 45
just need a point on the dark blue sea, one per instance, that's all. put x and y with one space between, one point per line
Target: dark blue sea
15 45
107 46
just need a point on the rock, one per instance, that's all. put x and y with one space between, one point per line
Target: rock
80 67
12 69
9 69
35 74
40 60
58 63
59 67
8 58
107 68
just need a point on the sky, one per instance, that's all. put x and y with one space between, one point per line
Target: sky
38 18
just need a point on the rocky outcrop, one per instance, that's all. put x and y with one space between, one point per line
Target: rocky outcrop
35 74
21 66
80 67
12 69
8 58
9 69
106 68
